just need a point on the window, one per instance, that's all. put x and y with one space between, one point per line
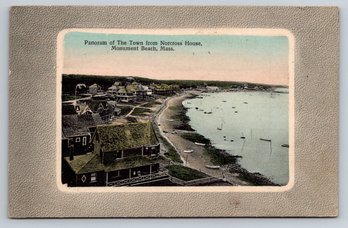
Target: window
84 141
77 139
93 177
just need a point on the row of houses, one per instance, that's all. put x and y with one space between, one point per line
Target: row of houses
130 92
107 109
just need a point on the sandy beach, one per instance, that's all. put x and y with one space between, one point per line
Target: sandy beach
196 159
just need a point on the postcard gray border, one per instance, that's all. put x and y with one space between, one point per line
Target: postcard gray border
32 182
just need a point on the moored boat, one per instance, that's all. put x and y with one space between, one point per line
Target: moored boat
199 144
267 140
212 166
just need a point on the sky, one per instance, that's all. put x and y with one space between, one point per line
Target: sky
247 58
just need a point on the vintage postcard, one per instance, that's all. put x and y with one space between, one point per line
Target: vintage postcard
233 113
206 107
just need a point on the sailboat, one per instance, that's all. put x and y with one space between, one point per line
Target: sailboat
219 128
267 140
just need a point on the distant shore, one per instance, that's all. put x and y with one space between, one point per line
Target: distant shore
173 127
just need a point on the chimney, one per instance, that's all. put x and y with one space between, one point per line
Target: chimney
71 152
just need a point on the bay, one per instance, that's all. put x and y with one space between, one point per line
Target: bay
253 124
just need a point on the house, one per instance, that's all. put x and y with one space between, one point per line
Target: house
125 95
212 88
114 142
113 107
147 90
117 83
105 110
142 92
77 133
80 89
112 91
123 155
76 107
94 89
164 89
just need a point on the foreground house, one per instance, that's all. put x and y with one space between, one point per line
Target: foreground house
123 155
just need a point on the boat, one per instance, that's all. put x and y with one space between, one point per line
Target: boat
212 166
188 151
235 111
223 101
196 108
233 107
219 128
199 144
242 137
245 102
231 140
267 140
285 145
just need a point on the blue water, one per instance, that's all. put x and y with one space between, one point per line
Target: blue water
252 115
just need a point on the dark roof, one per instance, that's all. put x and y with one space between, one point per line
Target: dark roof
126 136
85 163
91 162
68 109
73 125
130 162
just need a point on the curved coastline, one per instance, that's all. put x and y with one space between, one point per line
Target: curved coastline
201 158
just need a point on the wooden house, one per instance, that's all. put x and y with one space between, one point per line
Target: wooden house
77 133
116 142
105 110
94 89
125 95
164 89
123 155
112 91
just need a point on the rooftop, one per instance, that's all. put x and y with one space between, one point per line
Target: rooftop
126 136
73 125
91 162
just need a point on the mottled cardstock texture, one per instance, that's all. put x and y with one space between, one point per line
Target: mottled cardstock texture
33 188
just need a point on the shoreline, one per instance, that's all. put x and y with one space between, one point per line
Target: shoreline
202 156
